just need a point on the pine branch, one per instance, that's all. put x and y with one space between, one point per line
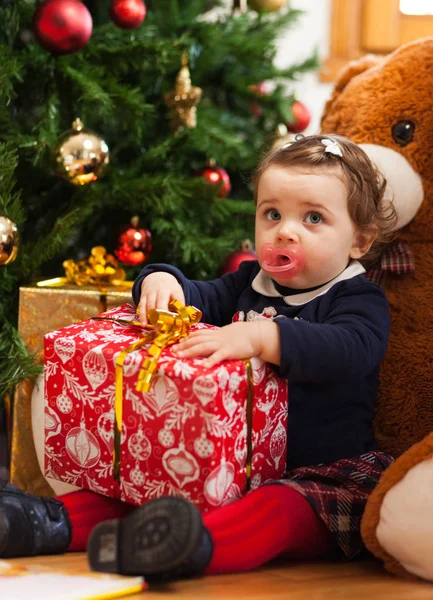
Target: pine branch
16 362
10 73
293 72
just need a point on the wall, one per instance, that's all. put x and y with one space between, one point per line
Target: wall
312 30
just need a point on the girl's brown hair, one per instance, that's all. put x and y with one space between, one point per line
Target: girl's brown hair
365 184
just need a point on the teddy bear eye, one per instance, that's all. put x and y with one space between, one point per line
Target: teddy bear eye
403 132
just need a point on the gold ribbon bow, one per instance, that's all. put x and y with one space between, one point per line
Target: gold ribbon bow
100 269
167 328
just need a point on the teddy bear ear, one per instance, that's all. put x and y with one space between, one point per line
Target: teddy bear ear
347 73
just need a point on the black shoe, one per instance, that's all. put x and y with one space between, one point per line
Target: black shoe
30 525
162 540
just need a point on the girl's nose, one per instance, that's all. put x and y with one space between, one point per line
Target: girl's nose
287 233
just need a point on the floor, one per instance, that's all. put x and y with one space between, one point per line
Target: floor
312 581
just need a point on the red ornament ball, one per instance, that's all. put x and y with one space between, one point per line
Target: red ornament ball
62 26
234 259
302 118
134 244
218 177
259 89
128 14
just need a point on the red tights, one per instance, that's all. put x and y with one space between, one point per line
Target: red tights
267 522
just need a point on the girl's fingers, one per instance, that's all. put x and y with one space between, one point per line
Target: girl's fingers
188 343
199 334
179 295
142 311
151 300
162 300
215 358
198 350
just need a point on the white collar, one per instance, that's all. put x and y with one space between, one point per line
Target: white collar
264 285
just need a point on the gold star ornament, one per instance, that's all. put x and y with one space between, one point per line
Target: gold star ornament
183 99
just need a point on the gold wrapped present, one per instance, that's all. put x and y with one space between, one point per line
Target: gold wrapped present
44 309
90 287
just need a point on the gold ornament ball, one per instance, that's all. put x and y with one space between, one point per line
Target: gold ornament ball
80 155
9 241
280 137
277 138
266 5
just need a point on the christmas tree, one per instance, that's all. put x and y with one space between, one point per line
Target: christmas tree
118 84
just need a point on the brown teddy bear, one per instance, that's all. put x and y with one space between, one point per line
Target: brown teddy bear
386 105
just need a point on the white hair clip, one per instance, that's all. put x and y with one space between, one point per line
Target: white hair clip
332 147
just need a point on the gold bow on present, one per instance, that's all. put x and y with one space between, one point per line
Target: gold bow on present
169 327
100 269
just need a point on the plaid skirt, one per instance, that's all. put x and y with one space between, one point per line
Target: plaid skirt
338 493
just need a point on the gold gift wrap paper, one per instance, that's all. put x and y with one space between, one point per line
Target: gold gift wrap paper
41 310
45 309
24 469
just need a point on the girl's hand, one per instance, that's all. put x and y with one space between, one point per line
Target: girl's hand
157 291
235 341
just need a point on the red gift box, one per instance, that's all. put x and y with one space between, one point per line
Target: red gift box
186 436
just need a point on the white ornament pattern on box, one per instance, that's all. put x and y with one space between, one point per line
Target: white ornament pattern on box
186 436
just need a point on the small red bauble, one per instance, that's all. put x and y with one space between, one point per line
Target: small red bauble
128 14
259 89
62 26
134 244
217 176
302 117
234 259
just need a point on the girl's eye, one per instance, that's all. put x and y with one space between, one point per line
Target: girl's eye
273 215
314 218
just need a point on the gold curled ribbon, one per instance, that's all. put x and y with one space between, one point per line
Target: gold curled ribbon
250 400
100 269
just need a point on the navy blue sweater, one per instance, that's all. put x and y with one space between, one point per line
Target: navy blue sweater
332 341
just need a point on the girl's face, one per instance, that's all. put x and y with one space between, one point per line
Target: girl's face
297 206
